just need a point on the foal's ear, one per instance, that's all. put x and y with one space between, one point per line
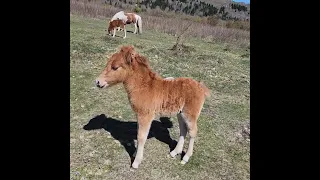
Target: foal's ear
129 53
126 48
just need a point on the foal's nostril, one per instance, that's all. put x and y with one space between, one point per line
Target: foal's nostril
97 83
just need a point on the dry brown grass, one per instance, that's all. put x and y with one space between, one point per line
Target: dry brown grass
174 26
94 9
245 25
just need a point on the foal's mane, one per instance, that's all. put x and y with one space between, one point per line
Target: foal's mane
141 61
144 63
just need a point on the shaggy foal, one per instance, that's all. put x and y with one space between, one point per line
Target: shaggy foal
114 24
151 96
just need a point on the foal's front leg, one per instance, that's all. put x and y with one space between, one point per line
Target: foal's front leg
125 32
144 123
114 32
135 28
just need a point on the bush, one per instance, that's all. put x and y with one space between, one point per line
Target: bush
137 9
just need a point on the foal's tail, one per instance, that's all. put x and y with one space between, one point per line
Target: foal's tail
206 90
139 23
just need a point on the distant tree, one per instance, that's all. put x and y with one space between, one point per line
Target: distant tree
221 11
224 16
192 11
196 6
215 10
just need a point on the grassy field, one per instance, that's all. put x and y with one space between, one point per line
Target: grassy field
103 127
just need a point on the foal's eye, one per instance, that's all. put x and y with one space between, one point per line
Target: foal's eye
114 68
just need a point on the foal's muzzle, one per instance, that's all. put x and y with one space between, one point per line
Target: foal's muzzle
98 84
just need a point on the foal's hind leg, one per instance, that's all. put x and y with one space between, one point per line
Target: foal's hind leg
183 133
135 28
191 121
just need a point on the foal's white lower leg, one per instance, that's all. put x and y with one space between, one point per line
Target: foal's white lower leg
189 153
183 132
144 124
114 32
193 132
125 33
135 28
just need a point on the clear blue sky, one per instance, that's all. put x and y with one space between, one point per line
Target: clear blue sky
245 1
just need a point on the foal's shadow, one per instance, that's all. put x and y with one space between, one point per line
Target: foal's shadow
110 36
126 132
128 31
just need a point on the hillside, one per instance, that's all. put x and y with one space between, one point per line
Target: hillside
217 2
225 9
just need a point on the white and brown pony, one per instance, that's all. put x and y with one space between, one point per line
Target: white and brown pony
151 97
129 18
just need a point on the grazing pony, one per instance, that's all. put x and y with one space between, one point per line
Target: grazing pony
151 97
116 23
129 18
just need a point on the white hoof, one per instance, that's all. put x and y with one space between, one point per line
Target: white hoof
185 159
173 153
183 162
132 169
124 37
135 165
